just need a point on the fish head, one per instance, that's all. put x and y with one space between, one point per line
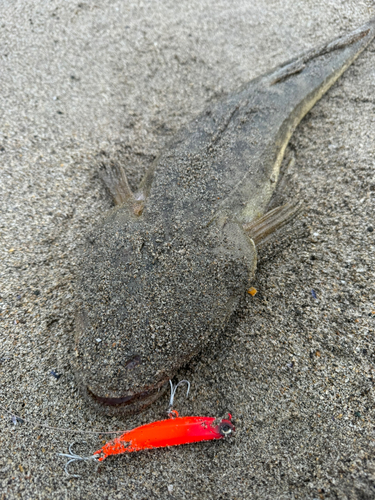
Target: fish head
150 298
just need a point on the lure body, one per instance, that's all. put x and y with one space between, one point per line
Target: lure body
170 432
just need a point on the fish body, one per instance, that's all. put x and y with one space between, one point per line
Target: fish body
158 282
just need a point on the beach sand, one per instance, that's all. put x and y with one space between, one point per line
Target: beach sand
297 372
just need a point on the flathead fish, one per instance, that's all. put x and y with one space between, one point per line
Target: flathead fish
165 269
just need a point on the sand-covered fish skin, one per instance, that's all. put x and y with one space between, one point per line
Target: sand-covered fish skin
158 283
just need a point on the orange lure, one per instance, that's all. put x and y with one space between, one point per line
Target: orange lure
170 432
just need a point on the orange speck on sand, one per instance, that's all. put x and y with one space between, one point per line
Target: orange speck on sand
252 291
138 208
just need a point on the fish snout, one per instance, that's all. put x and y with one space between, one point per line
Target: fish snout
114 376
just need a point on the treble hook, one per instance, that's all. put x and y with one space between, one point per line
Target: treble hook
171 412
74 458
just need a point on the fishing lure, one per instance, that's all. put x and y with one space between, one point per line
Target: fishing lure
172 431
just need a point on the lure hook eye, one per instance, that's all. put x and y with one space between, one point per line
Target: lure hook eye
226 428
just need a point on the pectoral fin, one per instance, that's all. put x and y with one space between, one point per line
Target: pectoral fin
261 229
114 179
113 176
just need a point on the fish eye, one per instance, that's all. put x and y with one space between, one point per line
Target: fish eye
225 429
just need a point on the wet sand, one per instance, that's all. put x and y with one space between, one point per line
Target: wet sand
297 372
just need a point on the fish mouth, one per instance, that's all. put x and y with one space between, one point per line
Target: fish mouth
126 405
125 401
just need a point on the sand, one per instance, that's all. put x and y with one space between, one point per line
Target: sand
296 371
